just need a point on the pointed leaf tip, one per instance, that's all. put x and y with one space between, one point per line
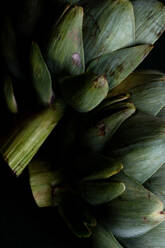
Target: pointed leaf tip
96 193
84 92
135 205
119 64
10 96
108 25
65 52
99 135
40 74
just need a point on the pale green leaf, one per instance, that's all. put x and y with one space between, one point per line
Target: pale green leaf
153 239
84 92
135 79
134 213
149 20
156 184
108 25
161 114
147 89
139 144
65 47
116 66
40 75
149 98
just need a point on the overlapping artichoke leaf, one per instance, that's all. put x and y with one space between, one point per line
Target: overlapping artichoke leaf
161 114
110 102
108 26
149 20
136 79
147 89
43 178
98 134
150 98
93 178
139 144
134 213
95 166
153 239
76 213
65 53
69 193
97 193
116 66
156 184
118 24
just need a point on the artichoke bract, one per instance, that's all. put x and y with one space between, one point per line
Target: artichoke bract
102 167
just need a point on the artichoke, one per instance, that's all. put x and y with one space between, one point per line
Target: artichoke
102 167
